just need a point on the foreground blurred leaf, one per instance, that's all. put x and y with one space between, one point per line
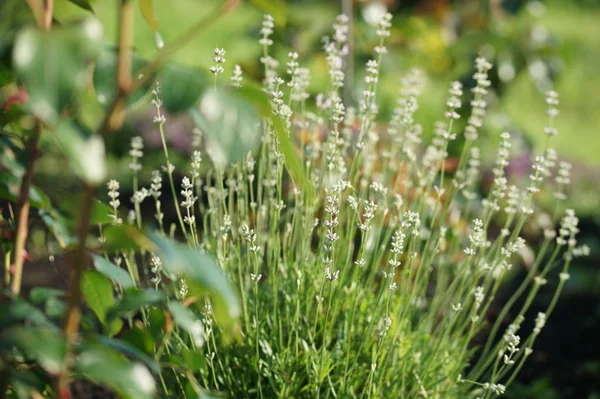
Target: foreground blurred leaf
39 295
202 275
9 190
100 213
187 320
85 4
60 226
275 8
231 126
105 77
147 9
105 366
18 311
128 348
97 291
114 272
85 152
46 346
52 65
9 156
133 300
254 94
180 86
124 237
51 299
13 15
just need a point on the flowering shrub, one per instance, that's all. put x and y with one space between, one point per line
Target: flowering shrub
364 264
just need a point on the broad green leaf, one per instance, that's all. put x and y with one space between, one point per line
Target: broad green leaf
85 4
139 338
85 152
202 274
293 163
50 298
254 94
133 300
105 366
39 295
17 311
275 8
59 225
97 291
230 124
209 395
187 320
105 77
156 320
46 346
194 359
53 65
24 380
147 9
10 186
180 86
100 213
131 349
124 237
114 272
9 156
13 15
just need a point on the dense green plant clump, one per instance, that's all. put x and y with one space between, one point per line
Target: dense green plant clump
364 264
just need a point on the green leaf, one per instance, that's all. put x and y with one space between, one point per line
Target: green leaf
202 274
18 311
114 272
131 380
209 395
139 338
105 77
13 15
136 343
275 8
124 237
85 4
50 298
9 156
100 213
195 360
135 299
187 320
147 9
180 86
10 185
230 123
46 346
254 94
97 291
85 151
156 320
52 65
39 295
293 163
59 225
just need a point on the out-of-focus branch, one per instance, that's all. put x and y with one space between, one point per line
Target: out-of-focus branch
37 8
115 114
43 18
22 214
48 11
114 118
124 65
